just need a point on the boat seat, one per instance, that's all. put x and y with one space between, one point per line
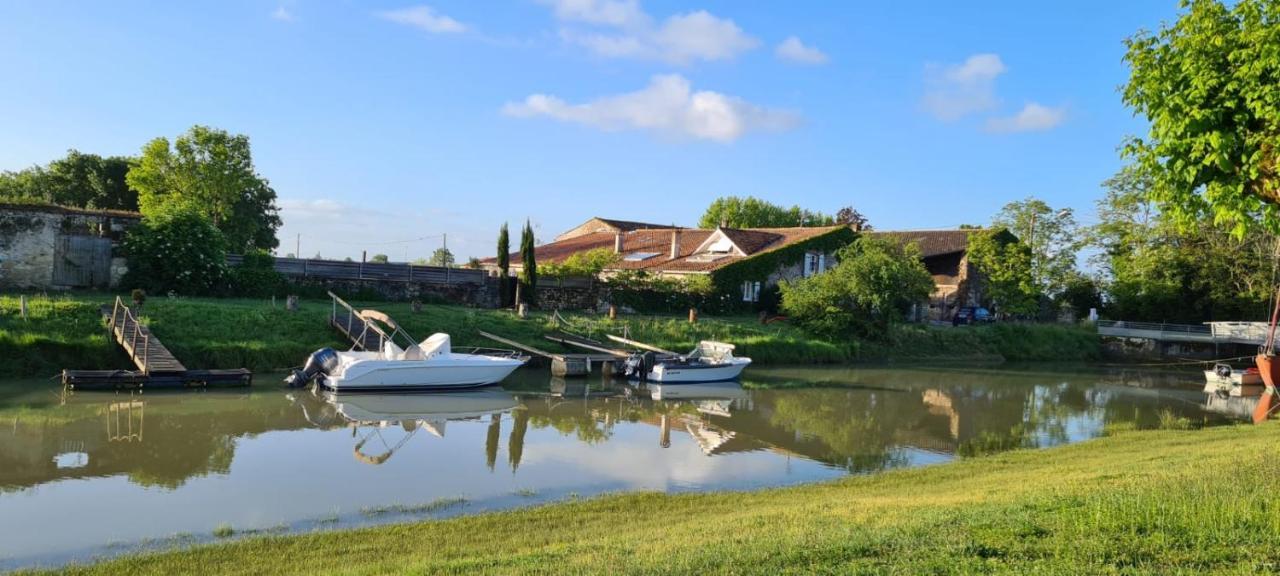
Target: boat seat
391 352
436 344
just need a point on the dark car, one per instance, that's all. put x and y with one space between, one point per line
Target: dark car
972 315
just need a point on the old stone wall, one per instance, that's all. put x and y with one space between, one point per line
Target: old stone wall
554 297
477 295
30 240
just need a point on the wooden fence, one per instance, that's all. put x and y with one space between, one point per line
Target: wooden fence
390 272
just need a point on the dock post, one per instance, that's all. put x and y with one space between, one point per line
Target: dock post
22 306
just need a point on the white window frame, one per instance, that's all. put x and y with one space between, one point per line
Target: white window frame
750 291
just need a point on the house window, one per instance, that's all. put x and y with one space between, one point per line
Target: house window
822 263
811 267
750 291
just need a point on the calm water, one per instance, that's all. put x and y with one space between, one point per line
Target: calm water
90 474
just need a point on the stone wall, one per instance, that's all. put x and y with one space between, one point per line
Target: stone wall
553 297
477 295
30 237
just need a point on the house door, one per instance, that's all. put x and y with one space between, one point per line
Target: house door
82 261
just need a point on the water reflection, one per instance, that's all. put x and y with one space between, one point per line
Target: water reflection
188 461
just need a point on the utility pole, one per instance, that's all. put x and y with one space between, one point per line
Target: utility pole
297 246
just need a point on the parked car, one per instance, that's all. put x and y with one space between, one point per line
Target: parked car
972 315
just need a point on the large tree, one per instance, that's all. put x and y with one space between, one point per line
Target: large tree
1005 265
211 171
752 212
1161 268
529 264
1050 235
78 179
504 265
442 257
1209 85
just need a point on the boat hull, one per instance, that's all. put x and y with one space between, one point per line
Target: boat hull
434 374
694 373
1270 370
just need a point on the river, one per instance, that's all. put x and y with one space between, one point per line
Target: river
90 474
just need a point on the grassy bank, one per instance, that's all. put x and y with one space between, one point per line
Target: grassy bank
66 332
1138 502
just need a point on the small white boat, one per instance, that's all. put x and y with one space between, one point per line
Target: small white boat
1223 380
709 362
427 365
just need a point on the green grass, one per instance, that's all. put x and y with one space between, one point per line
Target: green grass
1151 502
66 332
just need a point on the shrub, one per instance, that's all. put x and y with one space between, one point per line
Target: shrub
873 286
178 251
256 276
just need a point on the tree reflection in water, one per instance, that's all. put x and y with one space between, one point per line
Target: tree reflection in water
858 420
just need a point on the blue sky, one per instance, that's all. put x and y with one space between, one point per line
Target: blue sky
380 122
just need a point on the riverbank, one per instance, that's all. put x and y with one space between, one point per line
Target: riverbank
1139 502
66 331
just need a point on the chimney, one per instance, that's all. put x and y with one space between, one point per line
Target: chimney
675 243
617 243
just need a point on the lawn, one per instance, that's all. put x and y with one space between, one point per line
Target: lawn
1150 502
66 331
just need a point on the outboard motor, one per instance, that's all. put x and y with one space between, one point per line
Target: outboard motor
322 361
639 366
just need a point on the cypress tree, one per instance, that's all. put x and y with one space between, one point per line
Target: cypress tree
529 274
504 265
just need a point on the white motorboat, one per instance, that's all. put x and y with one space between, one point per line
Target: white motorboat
709 362
1223 380
434 409
431 364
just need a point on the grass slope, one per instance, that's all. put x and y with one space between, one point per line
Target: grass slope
1154 502
66 332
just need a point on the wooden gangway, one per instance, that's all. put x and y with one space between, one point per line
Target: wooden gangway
145 350
156 365
561 364
347 320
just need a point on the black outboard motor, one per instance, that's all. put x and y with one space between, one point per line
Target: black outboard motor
322 361
639 366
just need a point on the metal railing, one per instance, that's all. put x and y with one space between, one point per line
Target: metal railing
125 317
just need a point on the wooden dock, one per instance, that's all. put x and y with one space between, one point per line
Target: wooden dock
156 365
562 364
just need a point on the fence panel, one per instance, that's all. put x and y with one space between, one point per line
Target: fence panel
387 272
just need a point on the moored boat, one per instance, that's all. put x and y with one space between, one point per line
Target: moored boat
1223 380
709 362
431 364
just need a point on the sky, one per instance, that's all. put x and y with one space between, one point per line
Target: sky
385 125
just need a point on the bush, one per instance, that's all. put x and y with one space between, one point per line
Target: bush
256 276
874 285
179 251
644 292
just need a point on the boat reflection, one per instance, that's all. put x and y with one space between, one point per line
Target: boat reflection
369 415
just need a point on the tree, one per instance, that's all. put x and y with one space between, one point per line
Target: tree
379 259
210 171
586 263
178 250
1051 236
1005 266
474 263
442 257
751 212
529 264
875 284
853 218
1162 268
1207 85
504 265
78 180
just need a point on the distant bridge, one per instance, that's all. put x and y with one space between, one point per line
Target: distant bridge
1208 333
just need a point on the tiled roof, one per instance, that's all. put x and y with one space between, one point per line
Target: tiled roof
932 242
658 241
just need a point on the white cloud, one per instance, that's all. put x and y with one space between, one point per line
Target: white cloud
962 89
621 28
667 105
424 18
1032 118
621 13
282 14
794 50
